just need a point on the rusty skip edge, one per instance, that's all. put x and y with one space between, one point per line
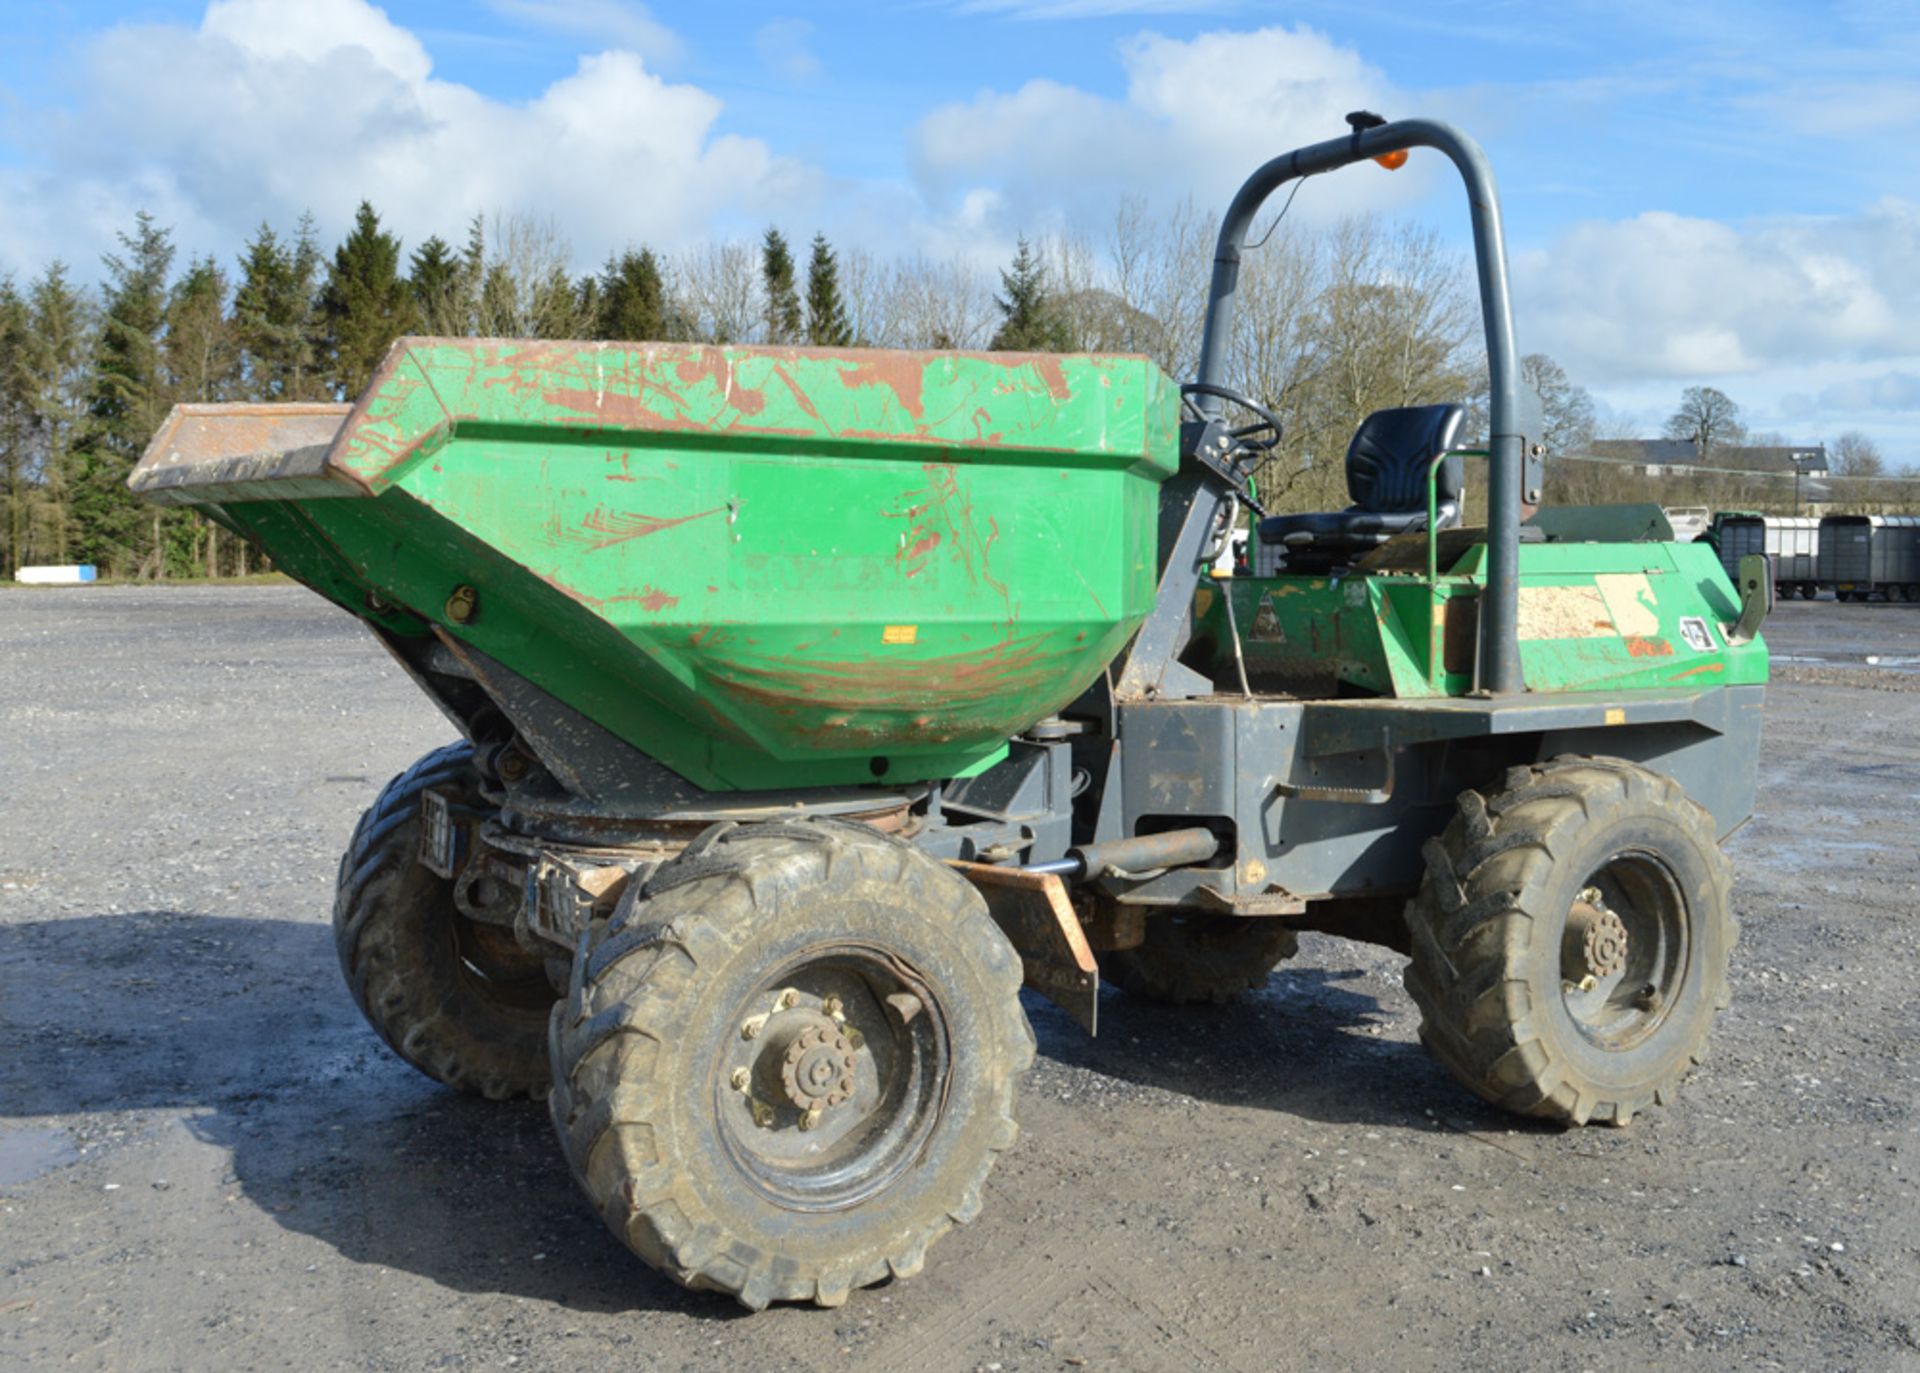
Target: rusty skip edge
383 436
225 446
230 444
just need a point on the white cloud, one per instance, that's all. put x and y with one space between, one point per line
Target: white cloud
268 109
623 24
1090 9
1666 296
1183 127
784 48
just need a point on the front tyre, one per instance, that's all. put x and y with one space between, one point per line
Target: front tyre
786 1066
1570 940
458 1000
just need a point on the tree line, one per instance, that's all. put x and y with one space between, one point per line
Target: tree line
1334 322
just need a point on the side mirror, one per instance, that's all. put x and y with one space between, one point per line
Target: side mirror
1756 597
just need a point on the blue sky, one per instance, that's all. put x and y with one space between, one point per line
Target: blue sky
1696 192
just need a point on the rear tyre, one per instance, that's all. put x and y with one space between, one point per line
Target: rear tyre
1570 940
459 1000
787 1064
1192 957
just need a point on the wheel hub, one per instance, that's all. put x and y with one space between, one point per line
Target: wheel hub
816 1066
832 1077
1596 944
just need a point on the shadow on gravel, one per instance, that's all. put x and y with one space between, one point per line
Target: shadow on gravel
245 1027
1301 1045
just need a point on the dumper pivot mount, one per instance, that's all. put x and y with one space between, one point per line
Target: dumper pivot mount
814 701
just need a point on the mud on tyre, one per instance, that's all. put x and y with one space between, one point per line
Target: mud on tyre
458 1000
787 1063
1571 938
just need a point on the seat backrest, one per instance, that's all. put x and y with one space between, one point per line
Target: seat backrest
1387 460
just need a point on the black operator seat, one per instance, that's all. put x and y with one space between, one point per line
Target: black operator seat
1387 478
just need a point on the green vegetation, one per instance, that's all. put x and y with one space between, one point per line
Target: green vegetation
1334 323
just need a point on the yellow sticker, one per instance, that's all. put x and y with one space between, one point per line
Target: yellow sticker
1202 601
1616 715
900 634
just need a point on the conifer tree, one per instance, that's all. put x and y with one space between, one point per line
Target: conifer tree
61 365
632 299
1029 322
827 325
365 305
784 318
437 282
127 399
17 426
126 404
273 315
200 356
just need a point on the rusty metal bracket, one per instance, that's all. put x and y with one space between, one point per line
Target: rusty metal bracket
1033 911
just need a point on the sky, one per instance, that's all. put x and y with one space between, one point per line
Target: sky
1699 192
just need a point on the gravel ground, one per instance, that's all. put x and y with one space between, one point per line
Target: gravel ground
207 1160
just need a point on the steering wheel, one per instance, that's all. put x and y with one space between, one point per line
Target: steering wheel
1247 435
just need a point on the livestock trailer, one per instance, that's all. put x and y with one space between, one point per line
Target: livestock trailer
1790 543
1864 555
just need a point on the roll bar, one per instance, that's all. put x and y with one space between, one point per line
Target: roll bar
1500 601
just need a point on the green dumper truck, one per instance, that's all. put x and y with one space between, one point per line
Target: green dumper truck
814 702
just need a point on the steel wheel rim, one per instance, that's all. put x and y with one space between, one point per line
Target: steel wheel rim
1618 1009
767 1064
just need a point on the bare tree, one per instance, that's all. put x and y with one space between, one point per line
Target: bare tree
1390 324
1566 409
721 282
1707 416
937 305
524 287
1853 454
1271 358
866 289
1160 269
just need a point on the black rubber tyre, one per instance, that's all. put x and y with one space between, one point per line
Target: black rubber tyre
458 1000
1194 957
1494 927
660 1090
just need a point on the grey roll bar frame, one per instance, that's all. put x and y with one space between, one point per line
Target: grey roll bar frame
1506 444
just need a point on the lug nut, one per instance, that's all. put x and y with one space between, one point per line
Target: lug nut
810 1119
740 1079
832 1006
789 999
750 1029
